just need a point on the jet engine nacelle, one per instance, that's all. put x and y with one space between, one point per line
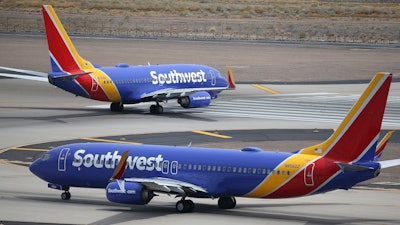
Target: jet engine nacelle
195 100
134 193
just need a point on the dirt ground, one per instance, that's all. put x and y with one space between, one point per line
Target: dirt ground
251 62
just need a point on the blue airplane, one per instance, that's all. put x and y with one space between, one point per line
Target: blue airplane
134 174
192 85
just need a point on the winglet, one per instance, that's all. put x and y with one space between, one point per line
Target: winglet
120 169
231 79
382 144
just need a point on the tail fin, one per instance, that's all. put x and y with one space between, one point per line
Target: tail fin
231 79
382 144
63 55
356 137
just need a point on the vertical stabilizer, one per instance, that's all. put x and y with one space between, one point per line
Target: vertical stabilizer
356 137
63 55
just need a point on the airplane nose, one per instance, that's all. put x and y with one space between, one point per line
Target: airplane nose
35 167
39 168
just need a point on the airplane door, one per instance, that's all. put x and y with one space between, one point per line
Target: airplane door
62 159
213 78
95 85
174 167
165 167
309 175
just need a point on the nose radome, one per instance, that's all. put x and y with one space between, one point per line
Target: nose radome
34 167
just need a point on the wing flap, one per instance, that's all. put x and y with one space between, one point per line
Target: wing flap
174 93
167 185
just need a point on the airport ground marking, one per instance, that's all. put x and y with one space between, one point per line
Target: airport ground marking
259 86
211 134
111 141
30 149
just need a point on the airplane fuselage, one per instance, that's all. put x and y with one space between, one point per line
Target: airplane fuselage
249 172
134 84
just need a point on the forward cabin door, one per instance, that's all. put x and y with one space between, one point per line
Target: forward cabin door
62 159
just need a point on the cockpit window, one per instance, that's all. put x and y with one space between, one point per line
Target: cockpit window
45 156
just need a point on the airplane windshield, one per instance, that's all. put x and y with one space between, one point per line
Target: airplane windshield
45 156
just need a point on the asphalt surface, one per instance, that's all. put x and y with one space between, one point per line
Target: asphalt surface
35 116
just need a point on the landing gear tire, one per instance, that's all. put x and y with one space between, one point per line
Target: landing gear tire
227 202
66 195
116 107
184 206
156 109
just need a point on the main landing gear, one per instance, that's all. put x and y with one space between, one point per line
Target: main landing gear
227 202
156 109
117 107
184 206
66 195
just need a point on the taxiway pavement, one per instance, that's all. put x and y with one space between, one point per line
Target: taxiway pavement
33 112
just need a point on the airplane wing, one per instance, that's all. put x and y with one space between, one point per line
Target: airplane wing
167 185
175 93
24 74
389 163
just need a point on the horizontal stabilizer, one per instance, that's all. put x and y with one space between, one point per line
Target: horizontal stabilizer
24 77
30 72
390 163
352 167
24 74
69 76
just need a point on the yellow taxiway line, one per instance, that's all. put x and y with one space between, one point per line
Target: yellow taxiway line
30 149
259 86
111 141
210 134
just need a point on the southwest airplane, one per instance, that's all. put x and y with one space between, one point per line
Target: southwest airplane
134 174
192 85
